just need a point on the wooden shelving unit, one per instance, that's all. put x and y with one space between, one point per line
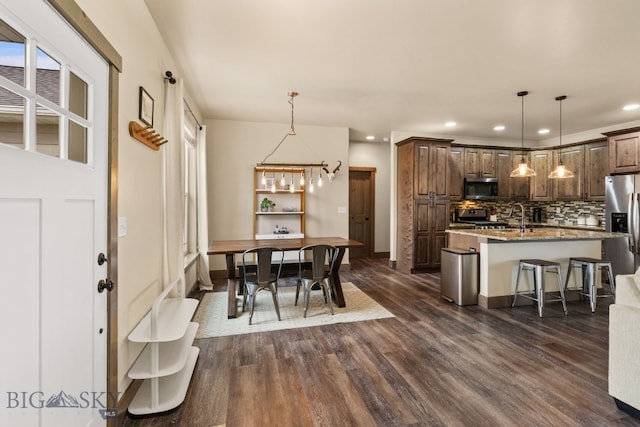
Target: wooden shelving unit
289 210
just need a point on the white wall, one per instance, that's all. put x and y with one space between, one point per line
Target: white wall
130 29
234 148
376 155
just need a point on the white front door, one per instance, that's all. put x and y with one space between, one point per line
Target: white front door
53 221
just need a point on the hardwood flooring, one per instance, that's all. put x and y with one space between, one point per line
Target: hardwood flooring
434 364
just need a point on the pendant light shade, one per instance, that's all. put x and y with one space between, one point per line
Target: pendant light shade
523 170
561 171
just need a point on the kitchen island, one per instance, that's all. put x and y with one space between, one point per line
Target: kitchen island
501 250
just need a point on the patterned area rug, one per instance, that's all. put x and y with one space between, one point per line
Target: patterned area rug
212 312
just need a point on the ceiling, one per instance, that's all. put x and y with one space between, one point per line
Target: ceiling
377 66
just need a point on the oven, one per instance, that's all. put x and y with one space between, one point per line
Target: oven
479 218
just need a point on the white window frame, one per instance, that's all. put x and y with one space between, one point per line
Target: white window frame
189 156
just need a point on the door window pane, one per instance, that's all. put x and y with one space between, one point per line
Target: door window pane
11 118
11 54
77 142
47 131
77 96
47 77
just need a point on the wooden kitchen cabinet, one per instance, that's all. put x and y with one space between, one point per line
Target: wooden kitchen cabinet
624 151
589 164
540 186
570 188
422 202
596 166
432 222
510 188
479 162
456 172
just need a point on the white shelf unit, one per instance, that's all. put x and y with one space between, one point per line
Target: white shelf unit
167 362
289 206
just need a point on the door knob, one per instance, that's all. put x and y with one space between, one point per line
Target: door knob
102 258
105 284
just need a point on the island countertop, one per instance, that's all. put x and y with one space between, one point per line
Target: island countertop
536 234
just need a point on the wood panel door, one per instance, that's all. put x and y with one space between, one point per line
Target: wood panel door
362 210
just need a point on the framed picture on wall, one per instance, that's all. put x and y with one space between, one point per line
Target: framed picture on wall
146 107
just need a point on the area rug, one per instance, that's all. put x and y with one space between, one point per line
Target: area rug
212 312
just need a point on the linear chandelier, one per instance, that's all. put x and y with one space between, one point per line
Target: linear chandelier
284 167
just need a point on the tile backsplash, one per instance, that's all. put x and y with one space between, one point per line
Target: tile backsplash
558 211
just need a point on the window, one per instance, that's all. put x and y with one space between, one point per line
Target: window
43 106
189 158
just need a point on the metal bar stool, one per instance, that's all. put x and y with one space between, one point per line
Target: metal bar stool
539 267
591 266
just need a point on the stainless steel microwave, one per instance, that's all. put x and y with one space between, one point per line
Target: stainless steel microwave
480 188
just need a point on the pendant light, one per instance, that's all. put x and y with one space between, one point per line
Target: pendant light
561 171
523 170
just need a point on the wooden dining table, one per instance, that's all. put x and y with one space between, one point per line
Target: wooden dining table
229 248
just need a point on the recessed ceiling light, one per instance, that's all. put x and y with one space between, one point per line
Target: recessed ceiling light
543 131
630 107
370 137
450 124
498 128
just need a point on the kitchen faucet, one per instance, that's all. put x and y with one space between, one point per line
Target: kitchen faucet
522 227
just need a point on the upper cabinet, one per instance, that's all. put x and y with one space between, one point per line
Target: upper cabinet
596 165
589 164
540 185
479 162
510 188
456 172
573 159
431 165
624 151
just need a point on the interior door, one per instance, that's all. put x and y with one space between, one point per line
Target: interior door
361 210
53 193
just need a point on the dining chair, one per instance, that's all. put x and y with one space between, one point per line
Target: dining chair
323 259
258 274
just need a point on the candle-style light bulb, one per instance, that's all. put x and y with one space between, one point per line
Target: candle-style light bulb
301 178
264 178
282 181
311 184
320 178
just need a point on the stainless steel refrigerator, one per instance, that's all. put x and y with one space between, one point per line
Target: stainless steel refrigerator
622 213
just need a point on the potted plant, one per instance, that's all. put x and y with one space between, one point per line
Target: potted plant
266 205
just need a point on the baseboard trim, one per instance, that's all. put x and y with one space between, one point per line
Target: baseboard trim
624 407
125 400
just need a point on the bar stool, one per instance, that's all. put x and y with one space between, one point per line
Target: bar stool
591 266
539 267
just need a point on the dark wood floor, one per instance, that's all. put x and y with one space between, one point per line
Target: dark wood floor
434 364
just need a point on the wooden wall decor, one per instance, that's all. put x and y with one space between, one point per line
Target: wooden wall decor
147 135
